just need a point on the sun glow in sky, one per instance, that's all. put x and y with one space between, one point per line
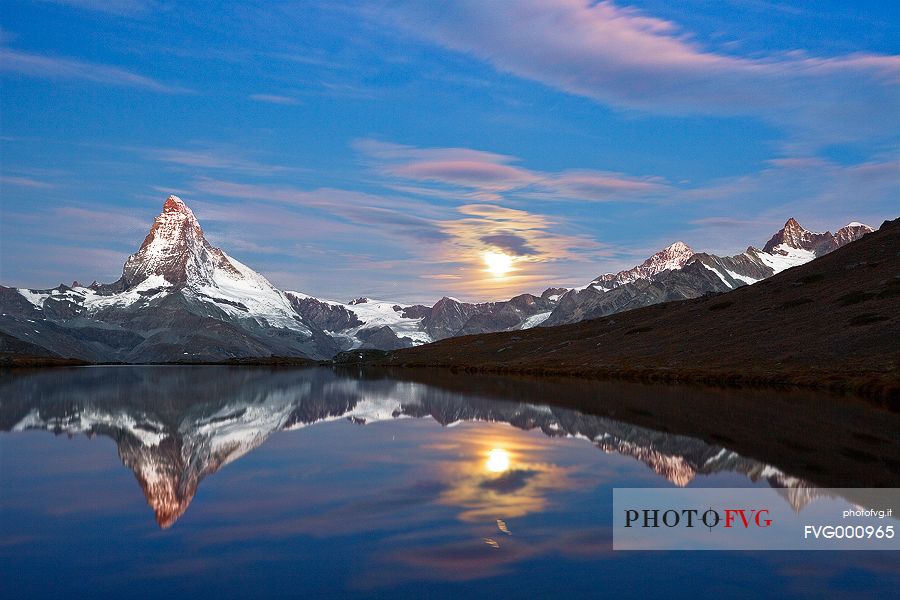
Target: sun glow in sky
498 263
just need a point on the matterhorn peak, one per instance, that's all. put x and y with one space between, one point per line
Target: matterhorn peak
175 250
175 204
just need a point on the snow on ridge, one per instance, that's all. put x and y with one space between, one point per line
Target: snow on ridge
89 418
375 314
745 278
535 320
235 430
255 292
718 270
35 297
786 257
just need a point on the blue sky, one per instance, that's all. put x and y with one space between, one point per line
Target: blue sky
383 148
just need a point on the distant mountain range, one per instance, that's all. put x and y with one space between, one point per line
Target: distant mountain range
831 323
679 273
182 300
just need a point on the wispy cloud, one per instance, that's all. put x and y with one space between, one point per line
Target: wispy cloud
275 99
25 182
625 58
372 215
525 235
212 159
83 242
62 68
84 223
490 175
116 7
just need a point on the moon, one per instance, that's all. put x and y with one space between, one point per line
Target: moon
498 263
498 460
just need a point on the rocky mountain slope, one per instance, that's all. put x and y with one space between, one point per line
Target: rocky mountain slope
178 298
830 322
366 323
678 273
671 258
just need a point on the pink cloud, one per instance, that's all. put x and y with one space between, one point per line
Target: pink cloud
800 162
625 58
465 172
593 184
487 176
387 151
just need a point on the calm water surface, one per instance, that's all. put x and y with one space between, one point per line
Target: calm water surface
225 482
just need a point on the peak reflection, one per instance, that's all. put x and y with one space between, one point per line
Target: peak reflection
172 432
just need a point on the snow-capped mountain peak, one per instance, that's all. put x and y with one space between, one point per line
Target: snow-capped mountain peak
794 237
180 298
673 256
175 204
677 273
176 250
851 231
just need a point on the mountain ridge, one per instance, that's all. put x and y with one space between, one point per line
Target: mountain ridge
679 273
179 299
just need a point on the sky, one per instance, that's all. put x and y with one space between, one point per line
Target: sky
409 150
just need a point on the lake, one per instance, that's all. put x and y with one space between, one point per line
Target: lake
242 481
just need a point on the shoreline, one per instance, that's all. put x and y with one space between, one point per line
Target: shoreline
878 388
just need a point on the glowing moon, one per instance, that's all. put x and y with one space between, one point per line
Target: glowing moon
498 264
498 460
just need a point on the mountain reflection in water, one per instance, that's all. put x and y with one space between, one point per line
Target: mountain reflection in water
405 485
174 426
